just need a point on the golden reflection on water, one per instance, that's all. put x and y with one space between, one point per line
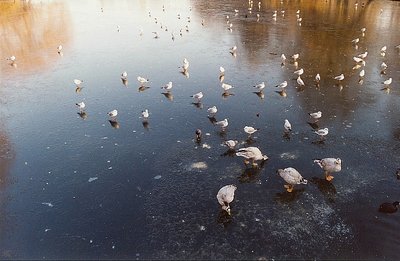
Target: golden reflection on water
32 32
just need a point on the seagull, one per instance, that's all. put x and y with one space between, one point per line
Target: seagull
124 75
250 130
383 66
142 80
226 86
156 35
233 49
292 177
315 115
299 72
383 49
167 86
388 81
231 144
339 77
197 96
78 82
59 48
251 153
358 59
81 106
362 73
282 85
283 58
113 113
295 56
212 110
363 55
300 81
317 78
260 86
12 59
185 66
221 71
225 196
363 30
355 41
329 165
322 132
223 124
287 126
145 114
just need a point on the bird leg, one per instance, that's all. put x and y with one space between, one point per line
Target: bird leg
254 163
328 177
289 188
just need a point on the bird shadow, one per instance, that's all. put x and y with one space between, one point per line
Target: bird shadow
260 94
229 153
224 218
251 173
168 95
82 114
212 119
313 125
227 94
282 93
78 89
124 81
198 105
327 188
250 140
185 73
142 88
288 197
114 124
145 124
286 136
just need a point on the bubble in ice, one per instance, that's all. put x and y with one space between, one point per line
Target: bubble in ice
157 177
48 204
199 165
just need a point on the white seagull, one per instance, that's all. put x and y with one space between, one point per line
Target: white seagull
295 56
362 73
260 86
287 126
315 115
283 58
81 106
226 86
388 81
299 72
329 165
251 154
231 144
317 78
145 114
113 113
221 71
167 86
250 130
197 96
212 110
223 124
322 132
142 80
292 177
124 75
282 85
300 81
339 77
225 196
78 82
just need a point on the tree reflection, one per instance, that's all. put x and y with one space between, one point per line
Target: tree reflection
32 32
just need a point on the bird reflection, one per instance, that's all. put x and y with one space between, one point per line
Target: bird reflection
143 88
260 94
327 188
251 174
224 218
286 135
213 120
221 78
198 105
313 125
145 124
78 89
229 153
282 93
124 81
227 94
83 115
250 140
185 73
114 124
288 197
168 95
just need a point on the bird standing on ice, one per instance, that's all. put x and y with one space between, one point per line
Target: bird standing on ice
251 154
292 177
329 165
225 196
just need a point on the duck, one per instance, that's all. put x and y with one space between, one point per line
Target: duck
389 207
287 126
329 165
225 196
251 153
292 177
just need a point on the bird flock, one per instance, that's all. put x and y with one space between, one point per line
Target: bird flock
252 155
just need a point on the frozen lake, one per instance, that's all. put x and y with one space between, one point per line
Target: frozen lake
77 186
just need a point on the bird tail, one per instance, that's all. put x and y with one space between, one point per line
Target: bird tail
303 181
318 161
